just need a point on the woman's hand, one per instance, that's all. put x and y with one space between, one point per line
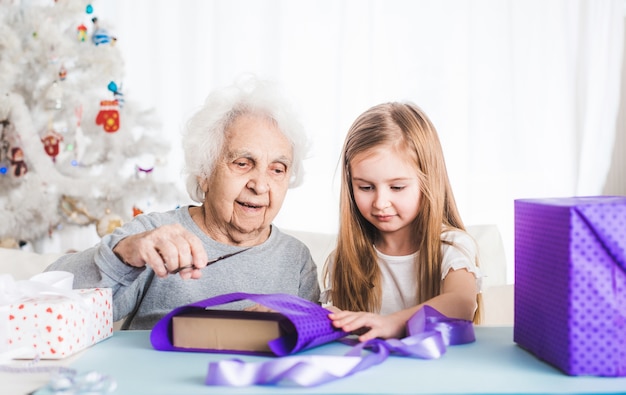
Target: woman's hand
332 309
259 308
164 249
369 325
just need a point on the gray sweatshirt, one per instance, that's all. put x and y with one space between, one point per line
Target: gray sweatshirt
282 264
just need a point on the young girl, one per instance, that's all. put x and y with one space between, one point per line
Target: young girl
401 241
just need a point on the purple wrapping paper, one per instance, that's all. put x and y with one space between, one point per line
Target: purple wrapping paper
570 282
313 327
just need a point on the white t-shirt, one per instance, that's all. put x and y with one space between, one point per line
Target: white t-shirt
399 276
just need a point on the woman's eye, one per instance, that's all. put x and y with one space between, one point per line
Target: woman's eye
365 188
242 164
397 188
278 169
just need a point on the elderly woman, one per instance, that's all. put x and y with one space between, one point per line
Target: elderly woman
243 150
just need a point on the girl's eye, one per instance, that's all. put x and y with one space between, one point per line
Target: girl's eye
397 188
365 188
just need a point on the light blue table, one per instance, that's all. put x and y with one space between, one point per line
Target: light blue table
493 364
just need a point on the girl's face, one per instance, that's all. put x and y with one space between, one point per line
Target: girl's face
386 188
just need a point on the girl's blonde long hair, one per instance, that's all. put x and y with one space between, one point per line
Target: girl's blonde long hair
355 278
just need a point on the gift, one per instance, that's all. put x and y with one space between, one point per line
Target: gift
54 323
570 283
296 324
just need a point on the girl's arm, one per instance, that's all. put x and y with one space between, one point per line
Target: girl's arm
457 300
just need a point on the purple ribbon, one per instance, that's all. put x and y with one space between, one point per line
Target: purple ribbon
613 242
429 334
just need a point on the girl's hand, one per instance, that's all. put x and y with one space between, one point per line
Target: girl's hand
369 325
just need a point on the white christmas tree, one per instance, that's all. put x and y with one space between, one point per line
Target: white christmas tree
74 150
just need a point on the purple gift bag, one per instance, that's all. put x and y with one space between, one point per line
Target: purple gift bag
311 322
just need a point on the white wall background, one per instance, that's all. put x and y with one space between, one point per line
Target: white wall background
524 93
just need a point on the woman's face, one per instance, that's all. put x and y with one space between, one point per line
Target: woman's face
250 181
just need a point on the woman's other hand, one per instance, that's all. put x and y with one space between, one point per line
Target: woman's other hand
259 308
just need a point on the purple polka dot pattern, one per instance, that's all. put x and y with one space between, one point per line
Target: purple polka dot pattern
570 283
311 322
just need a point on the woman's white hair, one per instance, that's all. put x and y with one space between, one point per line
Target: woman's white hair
204 136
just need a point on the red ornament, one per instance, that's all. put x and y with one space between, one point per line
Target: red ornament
109 116
136 211
51 142
82 32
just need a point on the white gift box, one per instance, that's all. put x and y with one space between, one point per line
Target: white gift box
54 323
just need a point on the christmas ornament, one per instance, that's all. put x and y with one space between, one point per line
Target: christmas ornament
11 154
5 163
142 172
18 165
112 86
75 212
82 32
109 116
17 158
51 141
117 93
100 36
89 9
62 73
144 166
54 97
108 223
9 242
